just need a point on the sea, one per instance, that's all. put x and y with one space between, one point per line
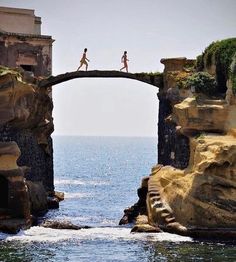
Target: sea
100 177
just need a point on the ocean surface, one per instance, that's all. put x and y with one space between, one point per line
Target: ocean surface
100 177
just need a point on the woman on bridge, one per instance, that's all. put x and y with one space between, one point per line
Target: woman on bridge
84 60
124 60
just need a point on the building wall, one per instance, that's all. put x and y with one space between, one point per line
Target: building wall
173 147
16 20
35 52
21 42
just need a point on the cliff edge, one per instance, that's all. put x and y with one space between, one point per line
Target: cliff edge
192 190
26 159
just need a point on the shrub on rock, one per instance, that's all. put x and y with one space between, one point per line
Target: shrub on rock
203 82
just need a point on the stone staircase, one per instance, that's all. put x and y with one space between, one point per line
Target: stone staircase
159 213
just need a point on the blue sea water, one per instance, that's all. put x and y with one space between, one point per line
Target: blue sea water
100 177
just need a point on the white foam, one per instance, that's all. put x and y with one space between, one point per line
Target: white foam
68 182
40 234
3 236
76 195
109 222
79 182
73 219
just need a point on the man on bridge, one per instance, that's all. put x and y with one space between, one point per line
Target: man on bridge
84 60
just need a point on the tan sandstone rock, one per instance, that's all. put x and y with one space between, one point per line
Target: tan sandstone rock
204 194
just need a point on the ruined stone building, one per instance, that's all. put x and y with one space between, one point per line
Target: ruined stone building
21 42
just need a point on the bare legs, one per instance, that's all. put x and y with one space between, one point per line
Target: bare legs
83 63
125 67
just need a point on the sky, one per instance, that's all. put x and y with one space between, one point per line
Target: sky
148 29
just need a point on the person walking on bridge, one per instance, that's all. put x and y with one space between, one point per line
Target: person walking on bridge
124 60
84 60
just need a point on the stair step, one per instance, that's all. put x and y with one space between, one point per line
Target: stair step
154 193
170 220
158 205
153 188
155 198
165 214
165 210
154 184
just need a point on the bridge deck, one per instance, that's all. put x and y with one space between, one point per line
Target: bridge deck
151 79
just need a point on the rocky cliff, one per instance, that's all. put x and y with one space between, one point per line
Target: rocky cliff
26 118
26 159
192 191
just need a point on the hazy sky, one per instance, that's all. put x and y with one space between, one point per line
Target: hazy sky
148 29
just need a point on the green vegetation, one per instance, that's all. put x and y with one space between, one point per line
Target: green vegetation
190 65
6 70
220 54
233 73
179 77
200 135
149 74
153 76
203 83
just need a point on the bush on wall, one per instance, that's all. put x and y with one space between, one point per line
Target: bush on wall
220 54
202 82
233 73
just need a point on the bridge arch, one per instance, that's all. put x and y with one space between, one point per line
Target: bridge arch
149 78
91 103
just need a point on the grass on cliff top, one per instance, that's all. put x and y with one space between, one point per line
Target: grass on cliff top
220 54
149 74
203 82
6 70
233 73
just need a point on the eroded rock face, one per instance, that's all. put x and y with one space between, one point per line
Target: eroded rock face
192 191
9 153
139 208
203 195
19 199
26 118
25 150
38 198
199 199
14 197
191 115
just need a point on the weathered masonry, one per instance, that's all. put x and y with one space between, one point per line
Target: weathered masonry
21 42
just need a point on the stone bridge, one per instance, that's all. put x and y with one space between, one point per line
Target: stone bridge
149 78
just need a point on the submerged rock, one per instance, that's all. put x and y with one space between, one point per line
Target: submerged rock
14 225
38 198
145 228
56 224
142 225
52 202
59 195
139 208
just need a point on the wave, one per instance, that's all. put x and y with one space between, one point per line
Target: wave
79 182
41 234
68 182
109 222
76 195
